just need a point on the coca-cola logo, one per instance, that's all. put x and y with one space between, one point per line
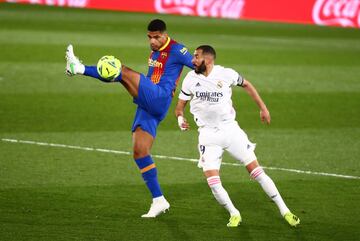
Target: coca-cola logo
344 13
69 3
205 8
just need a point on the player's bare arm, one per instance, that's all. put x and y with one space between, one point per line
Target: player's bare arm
179 113
264 112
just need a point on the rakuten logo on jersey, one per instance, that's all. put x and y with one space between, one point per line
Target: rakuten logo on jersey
345 13
204 8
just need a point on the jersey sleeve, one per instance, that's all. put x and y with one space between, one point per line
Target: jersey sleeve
235 77
183 56
185 92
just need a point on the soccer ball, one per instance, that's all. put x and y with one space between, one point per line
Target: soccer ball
109 67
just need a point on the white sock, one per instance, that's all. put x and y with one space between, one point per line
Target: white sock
80 69
221 195
270 189
159 199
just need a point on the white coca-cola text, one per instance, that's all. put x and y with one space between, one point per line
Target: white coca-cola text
345 13
205 8
69 3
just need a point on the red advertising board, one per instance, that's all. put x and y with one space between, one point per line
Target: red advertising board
344 13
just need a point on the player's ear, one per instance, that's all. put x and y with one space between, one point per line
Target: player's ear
211 59
207 59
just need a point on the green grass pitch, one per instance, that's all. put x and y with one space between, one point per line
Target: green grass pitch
309 76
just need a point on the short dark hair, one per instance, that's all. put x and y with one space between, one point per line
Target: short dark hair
207 49
157 25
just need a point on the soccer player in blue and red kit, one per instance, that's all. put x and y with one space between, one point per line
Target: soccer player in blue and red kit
152 94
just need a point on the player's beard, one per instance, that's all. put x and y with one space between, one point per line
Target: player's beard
154 48
201 68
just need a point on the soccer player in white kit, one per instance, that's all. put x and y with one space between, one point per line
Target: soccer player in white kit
208 88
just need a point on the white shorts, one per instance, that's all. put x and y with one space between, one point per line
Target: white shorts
229 137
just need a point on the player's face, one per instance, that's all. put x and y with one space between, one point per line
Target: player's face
199 62
156 39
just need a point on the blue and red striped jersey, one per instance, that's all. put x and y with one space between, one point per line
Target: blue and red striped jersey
165 65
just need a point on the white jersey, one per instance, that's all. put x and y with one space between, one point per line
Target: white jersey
210 95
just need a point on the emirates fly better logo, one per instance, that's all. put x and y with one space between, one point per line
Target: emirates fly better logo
204 8
345 13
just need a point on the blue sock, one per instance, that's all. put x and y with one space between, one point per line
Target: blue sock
119 78
92 72
149 174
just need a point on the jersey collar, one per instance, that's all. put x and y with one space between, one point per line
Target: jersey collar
165 45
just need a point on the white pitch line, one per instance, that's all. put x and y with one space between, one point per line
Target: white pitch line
170 157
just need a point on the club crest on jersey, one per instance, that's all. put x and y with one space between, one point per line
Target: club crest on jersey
219 84
163 55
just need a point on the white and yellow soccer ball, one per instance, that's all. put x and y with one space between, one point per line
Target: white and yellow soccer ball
109 67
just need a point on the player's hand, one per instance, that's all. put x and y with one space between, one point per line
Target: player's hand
183 124
265 116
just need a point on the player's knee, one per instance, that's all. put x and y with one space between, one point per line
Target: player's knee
140 151
142 142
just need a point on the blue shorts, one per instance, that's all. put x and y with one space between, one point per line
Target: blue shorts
153 104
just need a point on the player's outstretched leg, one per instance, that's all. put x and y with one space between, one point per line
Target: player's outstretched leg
73 64
128 77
